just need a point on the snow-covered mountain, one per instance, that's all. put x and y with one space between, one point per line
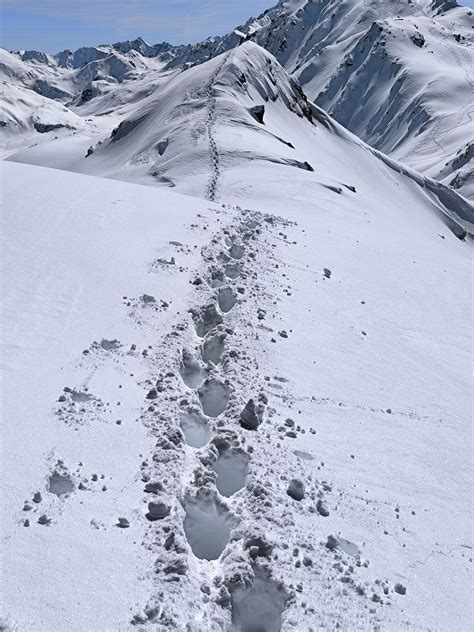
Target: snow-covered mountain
55 92
256 116
398 74
237 398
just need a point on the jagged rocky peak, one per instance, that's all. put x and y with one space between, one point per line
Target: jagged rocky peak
140 46
34 55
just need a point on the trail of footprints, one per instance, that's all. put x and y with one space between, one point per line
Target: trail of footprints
212 418
210 123
208 509
228 531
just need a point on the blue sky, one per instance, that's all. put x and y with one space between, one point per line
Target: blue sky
53 25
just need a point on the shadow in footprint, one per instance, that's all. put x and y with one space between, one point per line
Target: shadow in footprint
231 468
259 607
191 371
217 278
232 270
205 319
213 348
214 396
306 456
206 528
236 251
227 299
81 397
349 547
195 429
110 345
60 484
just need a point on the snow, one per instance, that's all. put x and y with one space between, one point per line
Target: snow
408 64
417 100
243 407
74 246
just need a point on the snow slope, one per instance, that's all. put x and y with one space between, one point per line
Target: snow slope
397 74
242 112
73 248
256 414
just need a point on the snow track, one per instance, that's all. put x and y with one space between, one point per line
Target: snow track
222 514
210 125
232 493
211 515
214 521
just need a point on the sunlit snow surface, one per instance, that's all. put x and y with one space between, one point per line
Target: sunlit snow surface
310 331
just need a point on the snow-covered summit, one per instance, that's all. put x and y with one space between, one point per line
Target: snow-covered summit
397 74
242 111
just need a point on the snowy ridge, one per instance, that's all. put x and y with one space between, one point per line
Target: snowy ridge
211 120
254 111
402 62
392 58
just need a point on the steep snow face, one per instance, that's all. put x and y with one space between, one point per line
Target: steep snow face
397 74
236 119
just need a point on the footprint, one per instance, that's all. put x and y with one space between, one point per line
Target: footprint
206 527
81 396
213 348
233 270
349 547
258 608
231 468
306 456
206 318
217 278
195 428
236 251
110 345
191 371
227 299
60 484
214 396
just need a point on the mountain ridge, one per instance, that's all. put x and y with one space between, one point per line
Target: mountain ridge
401 63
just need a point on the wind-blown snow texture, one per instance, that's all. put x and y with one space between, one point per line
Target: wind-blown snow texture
244 408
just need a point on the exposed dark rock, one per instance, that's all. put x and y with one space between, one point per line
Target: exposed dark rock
296 489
